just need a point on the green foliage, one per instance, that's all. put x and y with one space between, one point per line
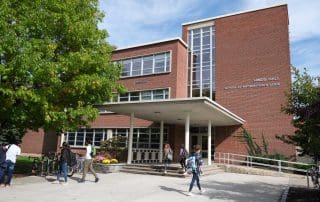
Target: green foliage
303 102
54 65
254 149
23 165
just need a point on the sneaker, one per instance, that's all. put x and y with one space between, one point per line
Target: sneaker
96 180
56 182
190 194
202 191
64 183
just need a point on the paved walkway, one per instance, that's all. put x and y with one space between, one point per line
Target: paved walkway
122 187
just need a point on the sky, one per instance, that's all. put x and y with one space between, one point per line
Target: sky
131 22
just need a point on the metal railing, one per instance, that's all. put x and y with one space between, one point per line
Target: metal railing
253 161
145 155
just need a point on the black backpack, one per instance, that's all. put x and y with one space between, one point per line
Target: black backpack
72 160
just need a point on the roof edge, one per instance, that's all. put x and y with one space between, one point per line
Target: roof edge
232 14
154 42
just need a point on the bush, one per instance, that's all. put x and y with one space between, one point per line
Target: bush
113 161
23 165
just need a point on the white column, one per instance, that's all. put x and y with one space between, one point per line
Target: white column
161 142
187 133
209 142
130 139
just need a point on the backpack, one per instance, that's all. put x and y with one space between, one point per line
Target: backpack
191 164
93 151
72 160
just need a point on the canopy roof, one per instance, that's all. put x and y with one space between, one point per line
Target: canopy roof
175 111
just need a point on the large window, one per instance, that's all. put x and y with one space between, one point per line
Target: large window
148 138
159 94
150 64
201 62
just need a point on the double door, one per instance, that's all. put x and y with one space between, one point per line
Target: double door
202 140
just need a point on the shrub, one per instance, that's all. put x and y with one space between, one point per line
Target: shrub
113 161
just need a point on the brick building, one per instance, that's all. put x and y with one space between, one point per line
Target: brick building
225 73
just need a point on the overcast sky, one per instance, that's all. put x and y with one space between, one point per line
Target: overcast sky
131 22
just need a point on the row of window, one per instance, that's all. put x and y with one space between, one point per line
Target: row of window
148 138
201 62
159 94
150 64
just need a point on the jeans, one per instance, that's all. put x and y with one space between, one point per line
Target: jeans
63 168
10 169
195 177
2 171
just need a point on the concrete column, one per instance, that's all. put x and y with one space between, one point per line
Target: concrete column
161 142
209 142
130 139
187 133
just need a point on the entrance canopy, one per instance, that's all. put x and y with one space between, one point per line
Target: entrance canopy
174 111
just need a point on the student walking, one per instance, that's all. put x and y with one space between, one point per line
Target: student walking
88 163
196 163
168 156
63 163
183 153
13 150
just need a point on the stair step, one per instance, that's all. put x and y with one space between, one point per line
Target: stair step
169 174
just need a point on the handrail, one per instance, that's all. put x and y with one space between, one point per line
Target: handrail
231 158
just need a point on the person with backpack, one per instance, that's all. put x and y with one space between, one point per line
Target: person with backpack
194 163
183 156
3 164
13 150
88 163
63 164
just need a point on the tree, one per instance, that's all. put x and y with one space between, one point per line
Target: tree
303 102
55 64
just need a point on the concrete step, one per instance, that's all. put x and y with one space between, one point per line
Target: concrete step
152 172
172 170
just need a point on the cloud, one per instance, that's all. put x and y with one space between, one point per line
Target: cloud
304 16
135 21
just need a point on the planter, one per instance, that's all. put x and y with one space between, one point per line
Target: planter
107 168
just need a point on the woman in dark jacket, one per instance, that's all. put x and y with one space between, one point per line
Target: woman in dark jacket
64 157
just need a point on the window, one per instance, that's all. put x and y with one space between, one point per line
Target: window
126 68
134 96
136 66
201 62
160 63
146 95
148 138
160 94
150 64
147 64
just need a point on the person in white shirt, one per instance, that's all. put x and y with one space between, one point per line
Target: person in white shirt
13 150
88 163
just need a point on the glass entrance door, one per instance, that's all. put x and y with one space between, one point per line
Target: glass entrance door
202 140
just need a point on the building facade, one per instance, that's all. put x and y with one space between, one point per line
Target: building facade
240 64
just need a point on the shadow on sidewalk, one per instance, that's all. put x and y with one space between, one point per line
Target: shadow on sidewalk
173 189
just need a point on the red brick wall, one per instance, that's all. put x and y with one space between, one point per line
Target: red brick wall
164 80
250 46
39 142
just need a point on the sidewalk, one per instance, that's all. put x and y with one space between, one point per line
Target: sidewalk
121 187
